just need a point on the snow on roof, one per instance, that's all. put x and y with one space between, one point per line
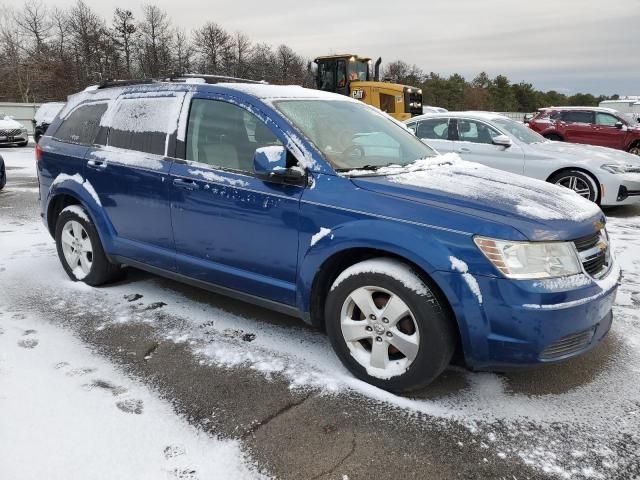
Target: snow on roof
595 109
267 91
470 114
47 112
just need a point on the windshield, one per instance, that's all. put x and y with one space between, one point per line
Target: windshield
351 135
632 118
358 70
519 130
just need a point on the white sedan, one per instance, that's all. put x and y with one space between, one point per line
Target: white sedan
603 175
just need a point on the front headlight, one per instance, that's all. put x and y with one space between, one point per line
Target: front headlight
529 260
615 168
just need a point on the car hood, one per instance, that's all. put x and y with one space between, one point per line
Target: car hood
584 153
539 210
7 123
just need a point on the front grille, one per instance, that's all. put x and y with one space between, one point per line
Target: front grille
10 133
567 345
594 253
585 243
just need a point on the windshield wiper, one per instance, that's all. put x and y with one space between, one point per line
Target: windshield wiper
372 168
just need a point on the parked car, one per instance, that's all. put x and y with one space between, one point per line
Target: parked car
3 174
292 199
602 175
12 132
590 125
43 118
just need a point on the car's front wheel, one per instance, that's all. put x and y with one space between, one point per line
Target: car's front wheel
635 150
579 182
80 250
387 326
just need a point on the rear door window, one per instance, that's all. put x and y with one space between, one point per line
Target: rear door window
143 123
82 125
433 129
476 132
577 117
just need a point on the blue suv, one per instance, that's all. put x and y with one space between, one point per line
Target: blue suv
322 207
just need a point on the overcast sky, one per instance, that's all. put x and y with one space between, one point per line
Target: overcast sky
566 45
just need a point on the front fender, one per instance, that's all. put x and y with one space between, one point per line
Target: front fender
427 248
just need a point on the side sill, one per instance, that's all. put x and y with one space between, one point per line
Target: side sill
211 287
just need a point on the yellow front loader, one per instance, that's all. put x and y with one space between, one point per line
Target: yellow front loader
351 75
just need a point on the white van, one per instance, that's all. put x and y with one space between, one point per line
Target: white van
624 105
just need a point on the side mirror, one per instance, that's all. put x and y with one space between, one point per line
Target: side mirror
270 163
619 125
502 140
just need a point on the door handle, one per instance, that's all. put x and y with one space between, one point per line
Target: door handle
464 150
185 184
97 164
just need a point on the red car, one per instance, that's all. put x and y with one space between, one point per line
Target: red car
594 126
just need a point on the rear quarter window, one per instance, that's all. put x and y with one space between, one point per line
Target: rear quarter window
82 125
143 124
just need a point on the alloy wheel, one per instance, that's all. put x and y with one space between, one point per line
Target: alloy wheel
578 185
380 331
77 248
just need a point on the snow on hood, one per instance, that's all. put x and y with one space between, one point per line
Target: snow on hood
8 122
585 153
486 189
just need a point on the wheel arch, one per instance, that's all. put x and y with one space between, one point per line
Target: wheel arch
633 144
553 133
589 173
72 192
339 261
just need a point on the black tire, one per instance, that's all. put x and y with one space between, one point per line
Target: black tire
437 333
554 136
561 178
102 270
635 149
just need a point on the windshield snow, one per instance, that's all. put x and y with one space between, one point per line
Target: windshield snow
353 136
520 131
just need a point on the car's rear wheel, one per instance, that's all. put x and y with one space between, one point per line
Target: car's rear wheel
80 250
580 182
387 327
555 137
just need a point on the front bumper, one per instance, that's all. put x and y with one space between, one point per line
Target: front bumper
623 190
18 138
521 323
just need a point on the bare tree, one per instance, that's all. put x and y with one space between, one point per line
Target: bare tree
242 55
124 29
214 47
155 37
34 22
182 51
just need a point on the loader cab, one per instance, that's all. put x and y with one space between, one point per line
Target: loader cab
335 73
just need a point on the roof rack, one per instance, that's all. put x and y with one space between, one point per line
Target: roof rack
125 83
214 78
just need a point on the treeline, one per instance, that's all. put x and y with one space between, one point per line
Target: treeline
483 93
46 52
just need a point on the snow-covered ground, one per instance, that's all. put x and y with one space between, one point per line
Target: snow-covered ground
67 414
577 420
